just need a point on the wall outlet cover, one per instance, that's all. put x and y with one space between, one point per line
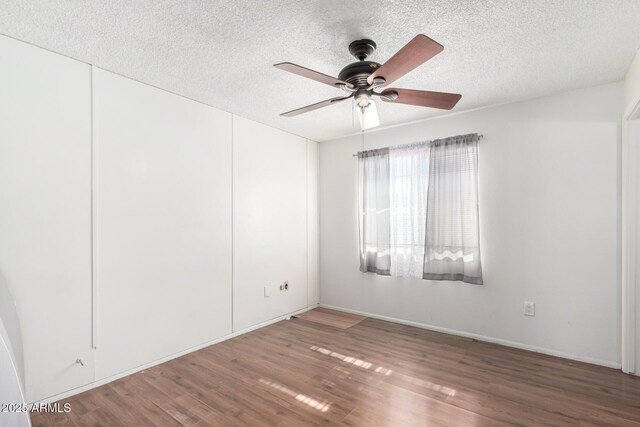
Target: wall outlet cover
267 291
529 308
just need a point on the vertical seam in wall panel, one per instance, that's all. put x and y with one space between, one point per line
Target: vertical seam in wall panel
306 192
619 230
628 299
232 237
635 155
94 281
630 214
317 221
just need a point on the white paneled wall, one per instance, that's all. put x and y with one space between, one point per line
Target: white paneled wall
45 215
269 222
313 244
116 218
163 223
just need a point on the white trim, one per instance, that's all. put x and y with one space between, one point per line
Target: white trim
630 143
478 337
111 378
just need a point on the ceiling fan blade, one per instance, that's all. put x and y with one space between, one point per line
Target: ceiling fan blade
311 74
314 106
421 98
416 52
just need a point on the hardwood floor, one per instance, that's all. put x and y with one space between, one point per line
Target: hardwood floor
334 318
375 373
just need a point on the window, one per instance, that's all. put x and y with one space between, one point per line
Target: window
418 210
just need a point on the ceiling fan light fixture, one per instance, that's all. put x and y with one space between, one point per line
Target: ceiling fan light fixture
363 99
368 115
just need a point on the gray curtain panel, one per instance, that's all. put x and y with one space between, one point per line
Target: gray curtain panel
374 213
452 241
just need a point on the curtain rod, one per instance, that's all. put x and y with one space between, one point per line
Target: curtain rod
480 136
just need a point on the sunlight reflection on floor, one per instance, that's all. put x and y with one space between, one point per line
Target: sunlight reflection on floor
316 404
433 386
366 365
353 360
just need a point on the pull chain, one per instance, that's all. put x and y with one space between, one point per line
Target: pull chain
353 113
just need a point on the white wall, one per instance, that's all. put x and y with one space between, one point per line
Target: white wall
45 216
631 247
116 220
631 230
163 218
269 222
549 208
632 89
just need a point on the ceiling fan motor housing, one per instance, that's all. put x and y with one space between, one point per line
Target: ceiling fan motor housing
357 73
361 49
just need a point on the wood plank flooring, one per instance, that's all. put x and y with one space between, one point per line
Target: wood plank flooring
334 318
375 373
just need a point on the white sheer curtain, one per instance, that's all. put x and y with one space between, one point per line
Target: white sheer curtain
409 175
373 201
418 210
452 244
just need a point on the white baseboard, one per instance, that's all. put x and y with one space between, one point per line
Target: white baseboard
484 338
111 378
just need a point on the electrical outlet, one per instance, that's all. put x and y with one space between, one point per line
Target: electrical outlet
267 291
529 308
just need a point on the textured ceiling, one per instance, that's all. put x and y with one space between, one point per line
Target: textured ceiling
221 52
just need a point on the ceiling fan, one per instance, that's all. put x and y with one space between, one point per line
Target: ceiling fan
366 79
